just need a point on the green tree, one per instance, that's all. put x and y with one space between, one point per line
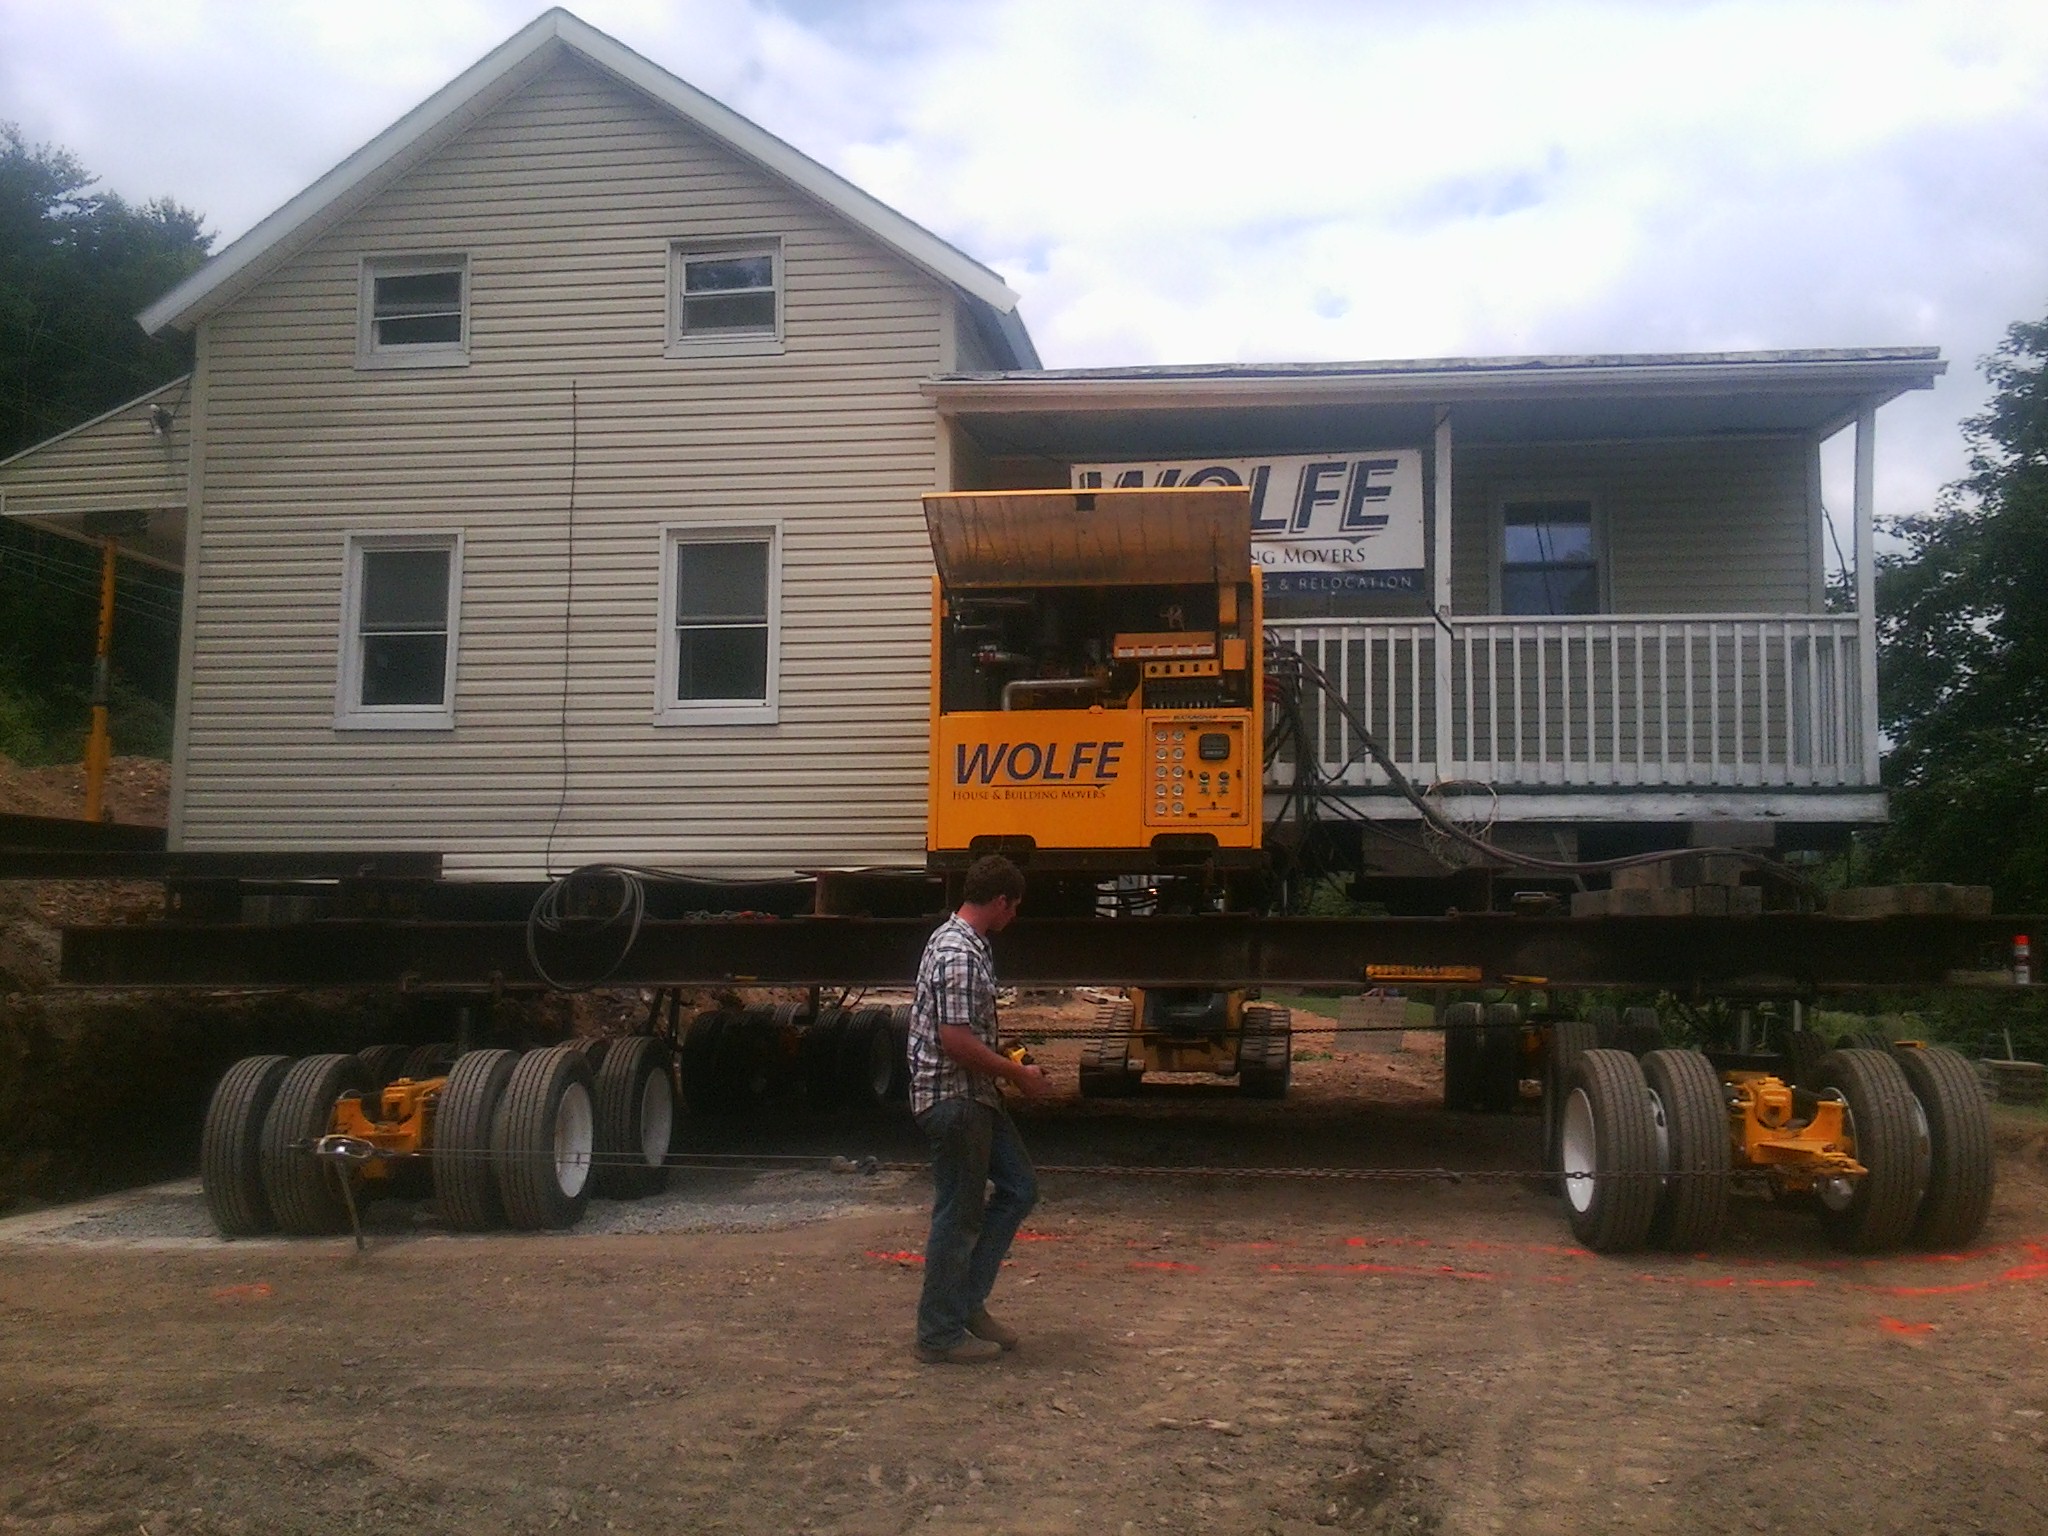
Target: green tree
76 265
1963 652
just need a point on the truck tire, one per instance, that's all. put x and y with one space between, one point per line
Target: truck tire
1641 1032
230 1146
465 1185
818 1059
1876 1212
899 1061
744 1068
542 1138
383 1065
1960 1159
1606 1022
1692 1207
1608 1152
867 1063
636 1116
1268 1071
304 1192
425 1061
1803 1051
1569 1040
1464 1042
1500 1060
593 1048
700 1057
1106 1054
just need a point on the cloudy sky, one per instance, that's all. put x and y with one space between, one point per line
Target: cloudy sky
1185 181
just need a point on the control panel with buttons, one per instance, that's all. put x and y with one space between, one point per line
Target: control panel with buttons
1198 771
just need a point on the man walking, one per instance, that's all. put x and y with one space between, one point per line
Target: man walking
954 1073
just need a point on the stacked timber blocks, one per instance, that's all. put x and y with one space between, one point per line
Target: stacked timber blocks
1914 900
2013 1082
1689 885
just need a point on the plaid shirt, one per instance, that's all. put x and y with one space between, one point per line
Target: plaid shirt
956 984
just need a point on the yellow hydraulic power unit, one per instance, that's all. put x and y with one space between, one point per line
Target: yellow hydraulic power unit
1096 665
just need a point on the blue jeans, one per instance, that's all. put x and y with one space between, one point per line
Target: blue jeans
973 1144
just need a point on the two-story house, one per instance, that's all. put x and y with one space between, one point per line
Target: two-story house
546 492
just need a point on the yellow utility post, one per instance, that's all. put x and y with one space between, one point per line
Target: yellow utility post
97 747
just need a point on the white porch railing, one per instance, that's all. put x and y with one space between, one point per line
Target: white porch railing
1703 700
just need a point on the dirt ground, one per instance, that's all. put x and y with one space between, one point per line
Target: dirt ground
138 790
1201 1352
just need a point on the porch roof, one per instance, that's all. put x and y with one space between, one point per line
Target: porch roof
1303 407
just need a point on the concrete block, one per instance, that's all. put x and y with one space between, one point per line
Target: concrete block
1644 877
1710 900
1745 901
1590 903
1371 1025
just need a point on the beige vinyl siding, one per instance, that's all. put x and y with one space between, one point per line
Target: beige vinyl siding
565 201
117 463
1686 527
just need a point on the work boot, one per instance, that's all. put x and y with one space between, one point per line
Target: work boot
969 1351
982 1326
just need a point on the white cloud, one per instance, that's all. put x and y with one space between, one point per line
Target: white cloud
1190 180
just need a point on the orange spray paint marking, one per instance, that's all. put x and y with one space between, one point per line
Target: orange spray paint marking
904 1256
1893 1325
1409 1271
259 1291
1169 1266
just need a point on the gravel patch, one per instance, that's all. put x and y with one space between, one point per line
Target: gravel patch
174 1215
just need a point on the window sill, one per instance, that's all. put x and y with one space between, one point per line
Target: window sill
421 720
421 359
737 346
718 714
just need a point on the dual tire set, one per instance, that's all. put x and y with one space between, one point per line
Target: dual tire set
516 1139
736 1061
1643 1150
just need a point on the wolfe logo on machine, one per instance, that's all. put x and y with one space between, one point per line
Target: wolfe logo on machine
1028 762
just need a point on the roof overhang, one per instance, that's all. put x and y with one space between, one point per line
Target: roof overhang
1308 406
457 105
144 514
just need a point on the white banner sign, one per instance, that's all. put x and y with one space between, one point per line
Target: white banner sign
1321 522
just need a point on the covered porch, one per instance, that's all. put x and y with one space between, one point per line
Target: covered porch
1621 686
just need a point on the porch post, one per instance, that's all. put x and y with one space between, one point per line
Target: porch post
1866 582
1440 595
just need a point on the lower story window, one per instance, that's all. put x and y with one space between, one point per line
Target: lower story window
1548 561
721 612
398 632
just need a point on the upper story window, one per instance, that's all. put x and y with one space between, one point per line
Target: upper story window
721 615
415 312
1549 561
726 298
399 605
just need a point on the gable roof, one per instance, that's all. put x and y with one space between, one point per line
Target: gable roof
496 76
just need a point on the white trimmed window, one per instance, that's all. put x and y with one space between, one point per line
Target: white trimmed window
721 621
400 599
1550 561
415 312
725 298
